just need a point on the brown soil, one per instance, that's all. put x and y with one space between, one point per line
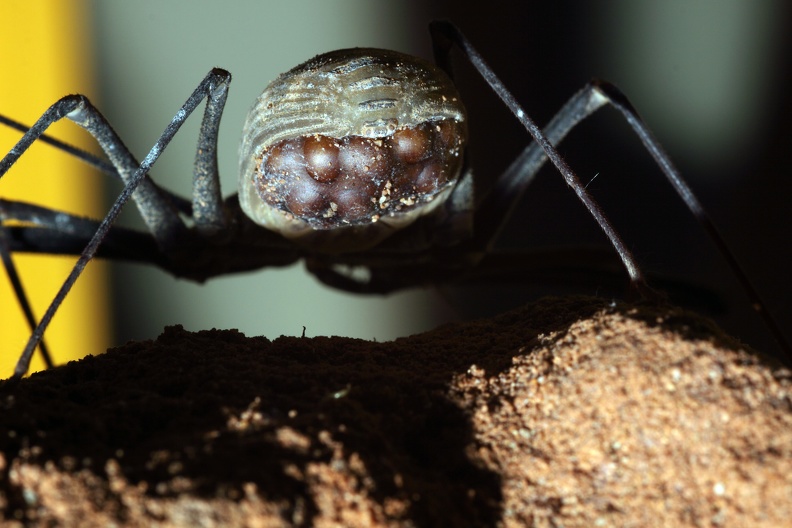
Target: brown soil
570 412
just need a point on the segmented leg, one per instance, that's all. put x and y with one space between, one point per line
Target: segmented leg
160 215
509 188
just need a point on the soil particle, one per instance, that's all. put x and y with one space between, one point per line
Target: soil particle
573 412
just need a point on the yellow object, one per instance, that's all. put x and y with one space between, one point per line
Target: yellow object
45 53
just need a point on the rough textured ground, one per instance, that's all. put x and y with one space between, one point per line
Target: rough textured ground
567 412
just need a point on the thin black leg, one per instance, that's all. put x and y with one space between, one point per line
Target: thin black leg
444 35
511 185
19 291
160 216
208 210
47 231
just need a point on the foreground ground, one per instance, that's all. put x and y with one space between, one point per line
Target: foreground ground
571 412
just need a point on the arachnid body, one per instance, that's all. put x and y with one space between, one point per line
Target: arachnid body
373 201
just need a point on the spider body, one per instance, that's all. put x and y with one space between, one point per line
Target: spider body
353 161
358 142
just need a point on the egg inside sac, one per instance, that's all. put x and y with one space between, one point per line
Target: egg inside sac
330 182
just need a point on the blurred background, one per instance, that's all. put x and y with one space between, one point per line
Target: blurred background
710 77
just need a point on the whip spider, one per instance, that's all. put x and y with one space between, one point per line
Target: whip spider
353 162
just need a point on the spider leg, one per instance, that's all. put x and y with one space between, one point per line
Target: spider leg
580 268
19 291
208 210
184 206
444 35
47 231
512 184
87 157
160 216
